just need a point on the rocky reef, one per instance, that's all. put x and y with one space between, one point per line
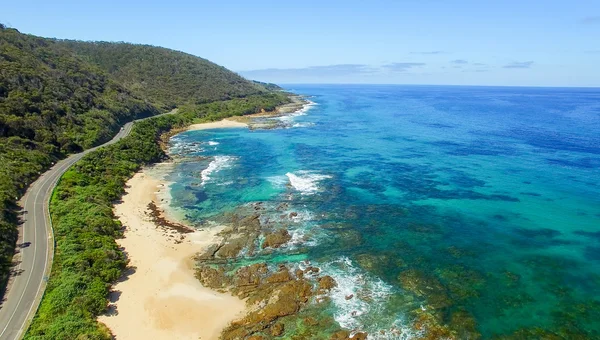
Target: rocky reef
292 299
285 299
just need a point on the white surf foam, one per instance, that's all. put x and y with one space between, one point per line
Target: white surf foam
306 181
278 181
219 163
301 125
306 108
212 143
352 281
288 119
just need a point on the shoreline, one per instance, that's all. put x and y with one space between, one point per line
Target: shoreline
159 297
297 103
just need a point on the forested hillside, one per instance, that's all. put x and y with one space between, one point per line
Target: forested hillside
59 97
52 102
165 77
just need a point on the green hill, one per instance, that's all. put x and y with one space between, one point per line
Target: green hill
165 77
52 102
58 97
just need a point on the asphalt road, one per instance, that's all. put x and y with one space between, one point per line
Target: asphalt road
36 248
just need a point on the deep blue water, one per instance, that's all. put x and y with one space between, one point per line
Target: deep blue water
481 200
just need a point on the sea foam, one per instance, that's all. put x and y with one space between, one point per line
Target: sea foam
359 297
288 119
219 163
306 181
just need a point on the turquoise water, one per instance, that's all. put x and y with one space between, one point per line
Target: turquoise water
478 200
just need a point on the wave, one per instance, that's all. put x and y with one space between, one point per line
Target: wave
306 181
288 119
219 163
359 300
278 181
301 125
306 108
212 143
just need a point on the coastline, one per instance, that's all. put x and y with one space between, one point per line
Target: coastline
159 297
256 120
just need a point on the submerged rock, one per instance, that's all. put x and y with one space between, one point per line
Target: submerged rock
277 329
463 323
426 286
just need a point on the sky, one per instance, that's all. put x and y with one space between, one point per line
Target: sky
437 42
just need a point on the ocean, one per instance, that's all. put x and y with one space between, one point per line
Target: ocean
479 205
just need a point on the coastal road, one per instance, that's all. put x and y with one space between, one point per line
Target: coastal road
36 247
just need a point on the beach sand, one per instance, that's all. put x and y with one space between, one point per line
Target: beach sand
160 298
225 123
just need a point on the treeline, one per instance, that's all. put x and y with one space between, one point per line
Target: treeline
59 97
87 259
166 77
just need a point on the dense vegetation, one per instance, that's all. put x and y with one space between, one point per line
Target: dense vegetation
87 259
165 77
59 97
51 103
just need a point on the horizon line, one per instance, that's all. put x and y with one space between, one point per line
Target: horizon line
453 85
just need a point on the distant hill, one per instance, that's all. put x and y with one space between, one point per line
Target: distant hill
165 77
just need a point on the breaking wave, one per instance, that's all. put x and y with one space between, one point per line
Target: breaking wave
306 182
219 163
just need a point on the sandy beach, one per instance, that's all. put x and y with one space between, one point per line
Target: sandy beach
225 123
160 298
